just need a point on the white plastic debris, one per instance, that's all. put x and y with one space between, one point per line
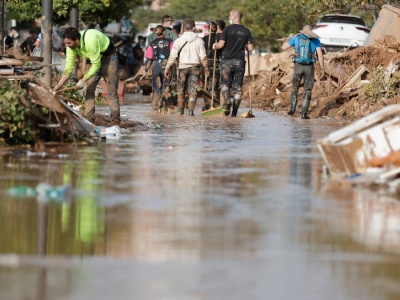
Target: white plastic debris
46 192
113 132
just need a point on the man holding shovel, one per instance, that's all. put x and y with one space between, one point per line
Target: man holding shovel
235 39
93 45
189 52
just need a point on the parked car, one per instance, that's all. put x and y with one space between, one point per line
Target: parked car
338 31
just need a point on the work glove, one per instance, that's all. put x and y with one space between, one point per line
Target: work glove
80 84
214 45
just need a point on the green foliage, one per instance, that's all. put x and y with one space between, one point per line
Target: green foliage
100 100
267 21
91 12
199 10
368 10
77 95
276 20
377 88
15 124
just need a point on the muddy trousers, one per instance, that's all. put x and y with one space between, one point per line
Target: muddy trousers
188 78
300 72
305 105
159 83
232 74
109 71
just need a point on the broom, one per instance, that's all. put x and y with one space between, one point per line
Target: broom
248 114
213 111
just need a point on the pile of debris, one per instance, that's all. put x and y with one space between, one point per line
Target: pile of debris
16 66
366 152
32 113
342 91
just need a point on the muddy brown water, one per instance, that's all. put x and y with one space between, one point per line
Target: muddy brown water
196 208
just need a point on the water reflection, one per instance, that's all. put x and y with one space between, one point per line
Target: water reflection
193 207
301 144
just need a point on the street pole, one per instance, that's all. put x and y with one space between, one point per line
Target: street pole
47 43
74 17
2 22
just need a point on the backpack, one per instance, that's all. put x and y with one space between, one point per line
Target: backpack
303 54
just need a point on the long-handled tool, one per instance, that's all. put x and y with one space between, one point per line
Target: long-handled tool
141 71
213 111
248 114
208 52
72 88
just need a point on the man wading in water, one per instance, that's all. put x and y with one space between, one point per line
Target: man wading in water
189 52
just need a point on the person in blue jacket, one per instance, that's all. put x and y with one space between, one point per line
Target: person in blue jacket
306 43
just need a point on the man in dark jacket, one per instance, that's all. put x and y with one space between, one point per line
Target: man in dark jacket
167 22
235 39
10 38
28 45
157 54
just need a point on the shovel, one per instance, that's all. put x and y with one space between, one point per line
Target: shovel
213 111
139 72
72 88
248 114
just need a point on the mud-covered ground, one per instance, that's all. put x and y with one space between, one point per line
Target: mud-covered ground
346 91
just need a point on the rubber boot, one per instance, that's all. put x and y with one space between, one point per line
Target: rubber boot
89 107
305 105
115 118
293 103
228 107
235 106
181 104
156 101
207 105
191 105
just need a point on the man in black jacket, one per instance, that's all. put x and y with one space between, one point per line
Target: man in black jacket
235 39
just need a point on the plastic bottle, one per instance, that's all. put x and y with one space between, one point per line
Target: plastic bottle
46 192
22 191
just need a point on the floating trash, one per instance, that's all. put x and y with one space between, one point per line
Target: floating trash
112 132
44 192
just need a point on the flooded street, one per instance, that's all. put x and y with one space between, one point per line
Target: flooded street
196 208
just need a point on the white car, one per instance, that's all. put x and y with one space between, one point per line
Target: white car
338 31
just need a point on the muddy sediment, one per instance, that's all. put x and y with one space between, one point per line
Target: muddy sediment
345 91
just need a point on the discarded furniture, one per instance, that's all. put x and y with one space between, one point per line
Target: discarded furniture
348 151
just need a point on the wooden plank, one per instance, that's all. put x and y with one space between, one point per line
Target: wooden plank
18 77
10 62
46 98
